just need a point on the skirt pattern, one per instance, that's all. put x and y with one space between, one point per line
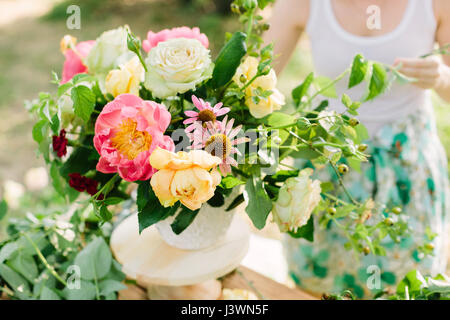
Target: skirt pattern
407 168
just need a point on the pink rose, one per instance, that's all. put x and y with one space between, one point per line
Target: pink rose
126 132
183 32
74 64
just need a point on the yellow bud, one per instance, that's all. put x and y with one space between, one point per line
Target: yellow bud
67 42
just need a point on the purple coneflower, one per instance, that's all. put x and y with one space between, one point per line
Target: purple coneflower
219 139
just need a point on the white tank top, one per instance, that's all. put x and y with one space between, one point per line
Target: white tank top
333 49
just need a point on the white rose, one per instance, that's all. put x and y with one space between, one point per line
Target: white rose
109 51
297 199
176 66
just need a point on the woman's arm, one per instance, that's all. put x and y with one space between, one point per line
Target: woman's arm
287 22
433 72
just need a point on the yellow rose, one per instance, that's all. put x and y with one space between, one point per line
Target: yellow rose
190 177
265 106
126 79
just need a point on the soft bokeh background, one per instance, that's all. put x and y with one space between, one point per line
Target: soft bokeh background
30 31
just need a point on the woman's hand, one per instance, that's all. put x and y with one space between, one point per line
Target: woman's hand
430 73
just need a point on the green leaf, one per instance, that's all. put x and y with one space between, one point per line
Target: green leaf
105 214
229 59
259 203
113 201
15 281
150 210
217 200
83 102
229 182
3 209
378 81
358 71
110 286
79 161
183 220
277 119
236 202
299 92
281 175
48 294
413 280
305 232
327 186
7 250
94 260
116 272
39 130
87 291
57 181
346 101
325 84
25 265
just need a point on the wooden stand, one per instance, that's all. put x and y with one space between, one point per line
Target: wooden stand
150 261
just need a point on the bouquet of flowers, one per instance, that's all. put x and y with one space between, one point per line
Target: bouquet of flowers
189 128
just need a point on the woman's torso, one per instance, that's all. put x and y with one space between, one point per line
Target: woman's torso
333 49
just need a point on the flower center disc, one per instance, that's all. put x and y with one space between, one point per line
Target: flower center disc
206 115
218 145
129 141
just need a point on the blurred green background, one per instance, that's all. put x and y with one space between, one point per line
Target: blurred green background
30 32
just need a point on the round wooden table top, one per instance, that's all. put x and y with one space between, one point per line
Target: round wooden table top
151 261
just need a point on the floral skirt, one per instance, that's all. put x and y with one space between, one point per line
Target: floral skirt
407 168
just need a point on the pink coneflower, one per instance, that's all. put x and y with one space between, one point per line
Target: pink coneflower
206 114
219 139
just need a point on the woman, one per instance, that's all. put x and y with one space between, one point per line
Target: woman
408 167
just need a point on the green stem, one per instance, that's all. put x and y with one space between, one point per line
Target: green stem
106 186
332 83
44 261
250 284
341 181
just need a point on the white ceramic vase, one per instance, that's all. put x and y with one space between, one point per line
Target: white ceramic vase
208 228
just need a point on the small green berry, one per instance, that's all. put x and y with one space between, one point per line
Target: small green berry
429 246
397 210
362 147
265 27
343 168
243 78
366 250
389 222
235 8
331 211
353 122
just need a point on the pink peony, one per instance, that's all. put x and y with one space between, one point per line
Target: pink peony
74 64
126 132
183 32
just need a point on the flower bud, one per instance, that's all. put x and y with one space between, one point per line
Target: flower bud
343 168
67 42
362 147
235 8
353 122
